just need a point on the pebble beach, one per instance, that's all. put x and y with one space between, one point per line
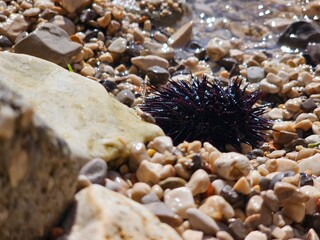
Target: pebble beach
154 187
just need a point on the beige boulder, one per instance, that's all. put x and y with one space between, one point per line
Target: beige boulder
103 214
80 110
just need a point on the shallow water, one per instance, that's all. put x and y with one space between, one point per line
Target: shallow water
255 22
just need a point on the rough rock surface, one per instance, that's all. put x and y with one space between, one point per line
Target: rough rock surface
103 214
49 42
79 109
37 171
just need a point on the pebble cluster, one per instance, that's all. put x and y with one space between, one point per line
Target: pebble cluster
268 193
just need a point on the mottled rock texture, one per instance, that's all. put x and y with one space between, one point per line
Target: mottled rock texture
37 171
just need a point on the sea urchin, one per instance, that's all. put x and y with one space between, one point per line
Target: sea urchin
207 111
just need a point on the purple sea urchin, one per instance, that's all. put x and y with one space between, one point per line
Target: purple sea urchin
207 111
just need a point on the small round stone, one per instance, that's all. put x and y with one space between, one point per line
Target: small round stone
126 97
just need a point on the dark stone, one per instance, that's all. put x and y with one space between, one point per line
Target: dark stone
264 183
109 85
232 197
313 50
87 15
133 49
196 163
300 34
95 170
227 63
305 179
49 42
89 34
315 222
279 176
255 153
308 105
158 75
5 42
238 229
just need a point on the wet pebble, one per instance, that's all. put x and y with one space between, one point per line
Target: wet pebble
126 97
158 75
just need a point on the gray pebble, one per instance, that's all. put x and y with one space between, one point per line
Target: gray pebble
313 138
255 74
200 221
126 97
164 213
279 176
308 105
95 170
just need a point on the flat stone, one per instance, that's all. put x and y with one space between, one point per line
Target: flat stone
145 62
38 173
182 36
49 42
104 214
202 222
78 109
164 213
13 26
308 105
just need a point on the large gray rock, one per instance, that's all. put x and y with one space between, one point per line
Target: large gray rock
80 110
103 214
37 171
49 42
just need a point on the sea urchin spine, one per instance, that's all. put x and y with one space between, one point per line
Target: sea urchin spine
207 111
